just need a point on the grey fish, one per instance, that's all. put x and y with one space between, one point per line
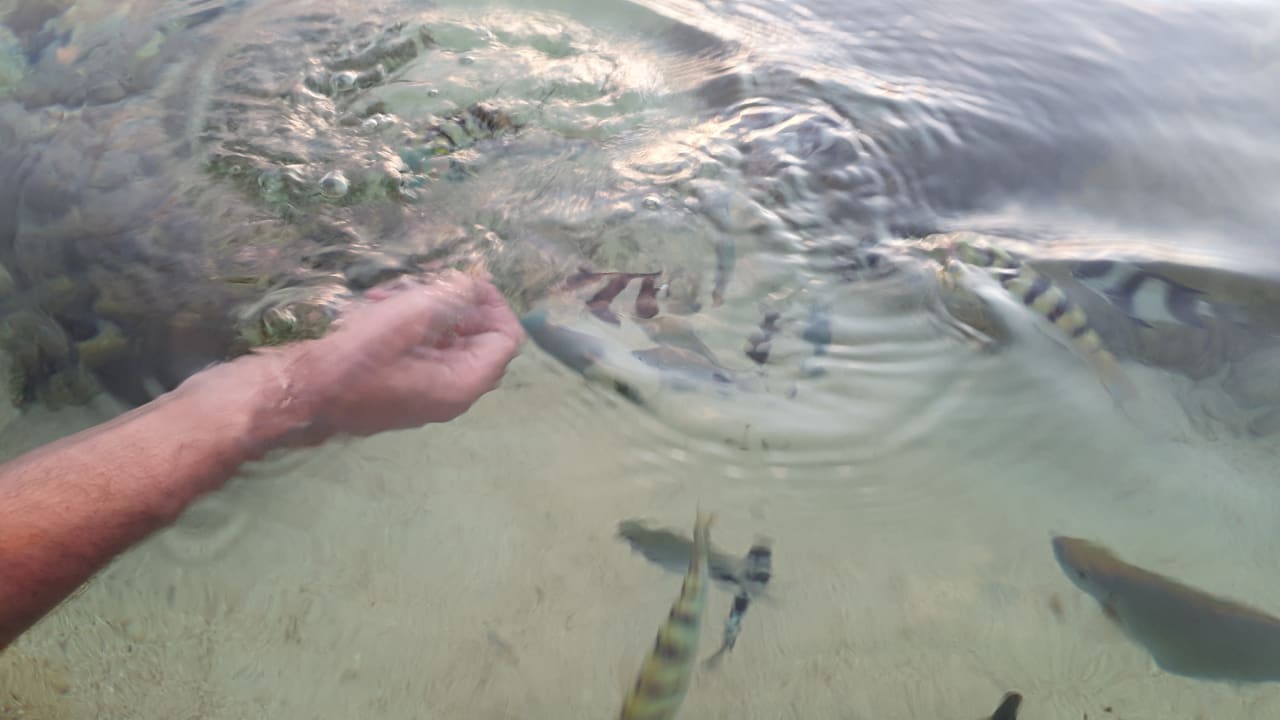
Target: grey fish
1187 631
577 350
732 627
1144 296
675 331
757 570
684 363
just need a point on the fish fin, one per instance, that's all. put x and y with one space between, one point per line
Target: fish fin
1008 708
705 519
647 300
1115 295
604 313
1114 378
1235 313
713 662
1110 612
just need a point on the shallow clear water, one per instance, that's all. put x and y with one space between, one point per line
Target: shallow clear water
796 157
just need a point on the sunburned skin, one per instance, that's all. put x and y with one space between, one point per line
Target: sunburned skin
1187 631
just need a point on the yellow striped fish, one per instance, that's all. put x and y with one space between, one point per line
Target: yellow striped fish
1046 299
664 676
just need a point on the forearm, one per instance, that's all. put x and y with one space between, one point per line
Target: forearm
68 508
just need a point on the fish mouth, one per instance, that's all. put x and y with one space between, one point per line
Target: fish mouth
1073 556
1062 545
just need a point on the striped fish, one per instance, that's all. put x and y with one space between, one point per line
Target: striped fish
1142 295
1040 294
666 671
984 256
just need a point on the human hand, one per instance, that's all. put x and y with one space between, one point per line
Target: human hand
413 353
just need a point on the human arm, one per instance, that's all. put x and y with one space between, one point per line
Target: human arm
415 355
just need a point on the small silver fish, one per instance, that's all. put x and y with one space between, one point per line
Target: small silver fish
732 627
664 676
1145 297
676 331
757 569
578 351
1187 631
684 364
581 352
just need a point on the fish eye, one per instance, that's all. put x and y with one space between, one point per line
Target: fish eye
1082 575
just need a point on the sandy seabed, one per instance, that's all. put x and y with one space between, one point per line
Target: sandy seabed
470 571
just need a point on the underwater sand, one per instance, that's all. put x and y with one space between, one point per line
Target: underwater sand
469 570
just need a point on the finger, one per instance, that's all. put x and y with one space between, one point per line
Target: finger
484 309
490 355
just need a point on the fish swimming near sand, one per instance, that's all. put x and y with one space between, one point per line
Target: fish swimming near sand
682 364
746 577
1041 295
576 350
1187 631
634 376
732 627
1145 297
757 569
664 676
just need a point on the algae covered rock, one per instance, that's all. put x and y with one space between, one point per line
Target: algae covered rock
187 185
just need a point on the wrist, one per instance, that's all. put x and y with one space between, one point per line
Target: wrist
254 400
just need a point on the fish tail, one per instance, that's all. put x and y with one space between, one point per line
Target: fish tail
664 676
1114 378
1008 709
1046 299
1089 343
